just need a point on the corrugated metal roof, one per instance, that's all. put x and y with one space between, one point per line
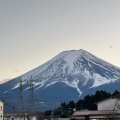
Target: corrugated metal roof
95 112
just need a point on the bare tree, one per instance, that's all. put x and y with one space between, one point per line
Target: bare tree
112 114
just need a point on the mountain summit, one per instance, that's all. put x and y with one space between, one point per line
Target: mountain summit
75 68
68 75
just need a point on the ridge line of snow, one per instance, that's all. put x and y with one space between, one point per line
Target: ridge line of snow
101 66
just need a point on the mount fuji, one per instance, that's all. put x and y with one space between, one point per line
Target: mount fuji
68 76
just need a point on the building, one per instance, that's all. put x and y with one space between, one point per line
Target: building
96 115
107 109
112 103
1 110
20 117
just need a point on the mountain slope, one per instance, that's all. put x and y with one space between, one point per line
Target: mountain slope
76 71
72 68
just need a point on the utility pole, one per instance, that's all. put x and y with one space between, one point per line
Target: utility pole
20 97
31 104
3 108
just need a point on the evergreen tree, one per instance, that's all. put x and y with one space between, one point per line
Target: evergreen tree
72 104
115 93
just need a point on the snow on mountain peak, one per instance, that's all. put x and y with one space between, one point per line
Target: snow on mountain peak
75 68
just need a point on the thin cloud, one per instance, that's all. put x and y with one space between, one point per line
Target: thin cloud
15 70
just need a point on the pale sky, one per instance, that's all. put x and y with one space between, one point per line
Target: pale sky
34 31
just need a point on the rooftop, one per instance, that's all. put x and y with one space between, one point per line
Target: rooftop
95 112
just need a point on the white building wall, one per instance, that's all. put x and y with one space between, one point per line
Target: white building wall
1 110
11 117
108 104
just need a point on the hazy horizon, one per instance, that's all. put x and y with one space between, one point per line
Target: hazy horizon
33 32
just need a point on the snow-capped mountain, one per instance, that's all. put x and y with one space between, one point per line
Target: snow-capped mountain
68 75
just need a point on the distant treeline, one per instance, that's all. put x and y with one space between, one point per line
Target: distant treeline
89 102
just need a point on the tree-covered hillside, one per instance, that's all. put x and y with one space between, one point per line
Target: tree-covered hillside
89 102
